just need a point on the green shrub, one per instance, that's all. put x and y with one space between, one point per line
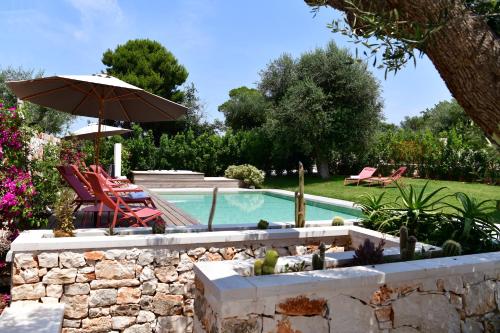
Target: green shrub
247 173
263 224
63 212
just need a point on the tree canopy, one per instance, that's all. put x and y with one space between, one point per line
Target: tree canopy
149 65
245 109
324 103
461 38
44 119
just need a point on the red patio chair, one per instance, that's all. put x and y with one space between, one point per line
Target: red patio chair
84 196
100 170
141 216
384 181
366 173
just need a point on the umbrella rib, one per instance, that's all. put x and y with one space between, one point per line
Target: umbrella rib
154 106
81 102
120 96
45 92
123 109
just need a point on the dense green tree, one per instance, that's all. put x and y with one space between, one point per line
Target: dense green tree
43 119
324 103
461 38
149 65
245 109
444 117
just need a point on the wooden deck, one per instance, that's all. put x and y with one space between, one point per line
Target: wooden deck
172 215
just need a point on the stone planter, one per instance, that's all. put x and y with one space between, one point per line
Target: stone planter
455 294
140 282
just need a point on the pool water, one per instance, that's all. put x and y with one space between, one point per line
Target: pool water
244 207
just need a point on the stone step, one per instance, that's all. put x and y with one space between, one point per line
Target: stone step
32 317
207 182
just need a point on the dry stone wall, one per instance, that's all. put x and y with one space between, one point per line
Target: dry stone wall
137 290
464 303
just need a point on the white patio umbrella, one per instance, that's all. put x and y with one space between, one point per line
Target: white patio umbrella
101 96
89 132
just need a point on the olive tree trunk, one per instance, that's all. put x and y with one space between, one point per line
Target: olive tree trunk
323 169
465 51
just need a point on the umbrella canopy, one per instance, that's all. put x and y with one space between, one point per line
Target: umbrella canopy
101 96
89 132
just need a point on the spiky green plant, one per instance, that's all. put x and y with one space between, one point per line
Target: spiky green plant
416 209
451 248
270 261
472 224
338 221
406 244
300 205
257 266
374 209
318 260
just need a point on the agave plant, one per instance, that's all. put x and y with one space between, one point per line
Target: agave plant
374 209
417 209
476 229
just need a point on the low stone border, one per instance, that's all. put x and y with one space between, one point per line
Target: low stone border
455 294
139 283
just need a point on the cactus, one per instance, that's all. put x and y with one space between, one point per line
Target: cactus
406 244
451 248
270 262
318 260
337 221
263 224
300 207
257 267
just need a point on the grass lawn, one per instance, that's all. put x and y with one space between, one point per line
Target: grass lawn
334 188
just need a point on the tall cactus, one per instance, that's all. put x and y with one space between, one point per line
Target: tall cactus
318 261
300 207
406 244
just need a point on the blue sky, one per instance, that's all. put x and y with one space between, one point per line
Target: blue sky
223 44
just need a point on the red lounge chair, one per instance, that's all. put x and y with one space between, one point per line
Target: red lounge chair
141 216
384 181
366 173
119 187
100 170
83 190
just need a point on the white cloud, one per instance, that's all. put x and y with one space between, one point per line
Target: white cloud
95 13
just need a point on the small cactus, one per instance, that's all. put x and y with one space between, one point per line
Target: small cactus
406 244
257 267
451 248
318 260
270 261
337 221
263 224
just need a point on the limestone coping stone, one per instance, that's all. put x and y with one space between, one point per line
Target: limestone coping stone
33 317
228 292
310 197
43 240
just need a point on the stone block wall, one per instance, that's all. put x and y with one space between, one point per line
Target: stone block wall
467 302
128 290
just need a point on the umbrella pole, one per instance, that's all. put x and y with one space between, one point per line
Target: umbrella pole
98 136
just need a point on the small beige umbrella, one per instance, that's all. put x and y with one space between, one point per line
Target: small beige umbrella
89 132
101 96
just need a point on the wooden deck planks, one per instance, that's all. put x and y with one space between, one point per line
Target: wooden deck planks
174 215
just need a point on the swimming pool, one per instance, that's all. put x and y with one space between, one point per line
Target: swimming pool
250 207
